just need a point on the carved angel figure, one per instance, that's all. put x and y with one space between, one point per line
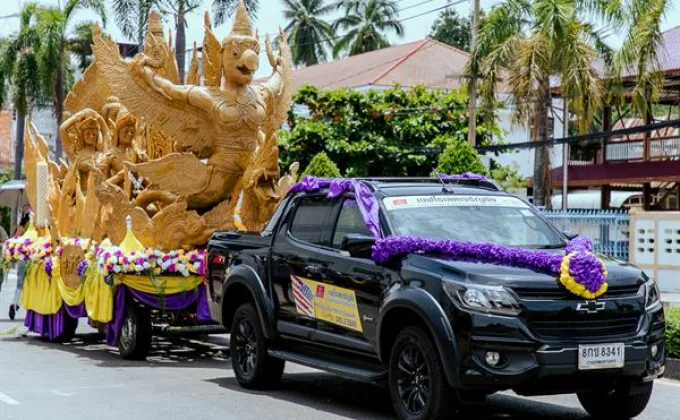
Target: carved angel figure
216 128
84 135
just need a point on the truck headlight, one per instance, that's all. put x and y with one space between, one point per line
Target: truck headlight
652 294
488 299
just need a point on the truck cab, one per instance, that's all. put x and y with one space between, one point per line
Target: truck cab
440 332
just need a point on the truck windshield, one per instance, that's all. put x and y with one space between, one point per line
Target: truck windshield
501 220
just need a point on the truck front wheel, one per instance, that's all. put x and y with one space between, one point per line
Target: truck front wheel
253 366
417 385
617 403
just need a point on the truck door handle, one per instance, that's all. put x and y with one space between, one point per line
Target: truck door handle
313 269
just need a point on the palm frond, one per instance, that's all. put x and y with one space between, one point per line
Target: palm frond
223 9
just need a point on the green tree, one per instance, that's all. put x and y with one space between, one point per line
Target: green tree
179 10
19 72
56 49
526 43
395 132
453 29
367 24
308 34
222 9
459 157
132 17
322 166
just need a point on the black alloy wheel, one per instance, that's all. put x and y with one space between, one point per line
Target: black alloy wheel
413 380
418 386
245 344
253 366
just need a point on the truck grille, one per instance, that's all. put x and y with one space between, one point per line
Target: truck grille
554 293
594 326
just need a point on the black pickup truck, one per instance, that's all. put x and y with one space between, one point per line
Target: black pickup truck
441 334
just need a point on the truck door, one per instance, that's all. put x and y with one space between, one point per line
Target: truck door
352 286
295 257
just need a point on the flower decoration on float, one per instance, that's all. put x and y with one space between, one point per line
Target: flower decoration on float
19 248
131 257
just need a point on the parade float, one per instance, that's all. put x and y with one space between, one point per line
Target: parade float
154 168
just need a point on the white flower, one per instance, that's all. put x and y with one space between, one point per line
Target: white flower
147 265
114 259
139 267
116 269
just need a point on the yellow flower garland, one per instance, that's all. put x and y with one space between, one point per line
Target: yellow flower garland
576 288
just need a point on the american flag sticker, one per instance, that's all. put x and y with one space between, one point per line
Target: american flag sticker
304 297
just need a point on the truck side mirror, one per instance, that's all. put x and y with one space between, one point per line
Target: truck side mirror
358 245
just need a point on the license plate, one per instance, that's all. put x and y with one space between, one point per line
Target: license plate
601 356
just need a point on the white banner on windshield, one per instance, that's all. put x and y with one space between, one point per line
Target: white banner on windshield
420 201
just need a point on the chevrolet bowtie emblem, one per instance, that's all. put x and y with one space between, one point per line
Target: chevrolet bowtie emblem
590 306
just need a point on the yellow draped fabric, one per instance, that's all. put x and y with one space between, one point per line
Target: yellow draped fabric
167 284
45 295
40 294
98 297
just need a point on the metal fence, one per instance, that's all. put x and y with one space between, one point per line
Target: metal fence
607 229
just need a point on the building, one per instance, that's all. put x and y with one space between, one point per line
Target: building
646 160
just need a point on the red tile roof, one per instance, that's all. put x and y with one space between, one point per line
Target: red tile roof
426 62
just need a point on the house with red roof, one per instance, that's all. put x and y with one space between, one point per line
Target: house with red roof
646 160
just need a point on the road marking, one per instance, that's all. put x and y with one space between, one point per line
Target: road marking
63 394
7 399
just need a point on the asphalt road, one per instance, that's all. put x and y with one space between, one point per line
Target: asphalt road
87 380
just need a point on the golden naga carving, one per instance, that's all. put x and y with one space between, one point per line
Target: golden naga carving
181 160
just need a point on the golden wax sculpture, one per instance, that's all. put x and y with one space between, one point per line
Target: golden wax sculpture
181 160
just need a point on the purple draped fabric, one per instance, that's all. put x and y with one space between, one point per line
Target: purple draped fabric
53 326
172 302
368 205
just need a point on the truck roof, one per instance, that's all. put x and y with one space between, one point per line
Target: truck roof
428 186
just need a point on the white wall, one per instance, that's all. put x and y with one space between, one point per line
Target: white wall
516 133
45 123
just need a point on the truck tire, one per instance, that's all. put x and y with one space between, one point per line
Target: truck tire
417 385
616 404
253 366
134 342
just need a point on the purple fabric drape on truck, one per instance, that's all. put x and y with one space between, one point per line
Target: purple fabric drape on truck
173 302
52 326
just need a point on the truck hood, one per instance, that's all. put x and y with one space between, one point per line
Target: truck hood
621 274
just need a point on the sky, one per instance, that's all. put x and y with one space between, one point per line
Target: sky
270 18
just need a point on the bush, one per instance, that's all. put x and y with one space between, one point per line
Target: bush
322 166
460 157
673 332
379 132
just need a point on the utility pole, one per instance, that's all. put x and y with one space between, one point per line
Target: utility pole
472 123
565 152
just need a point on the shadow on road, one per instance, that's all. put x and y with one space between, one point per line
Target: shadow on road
166 351
363 401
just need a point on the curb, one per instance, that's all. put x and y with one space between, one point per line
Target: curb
672 369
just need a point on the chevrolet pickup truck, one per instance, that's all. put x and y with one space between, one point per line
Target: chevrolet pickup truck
440 333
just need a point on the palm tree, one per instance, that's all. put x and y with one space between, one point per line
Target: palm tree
18 73
222 9
179 9
366 23
308 35
55 52
132 17
530 42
